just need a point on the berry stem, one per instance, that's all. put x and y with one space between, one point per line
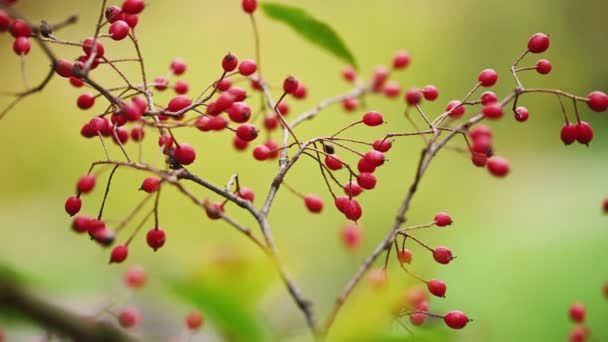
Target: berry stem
107 191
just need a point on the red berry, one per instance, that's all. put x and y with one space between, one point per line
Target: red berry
222 103
119 30
119 254
413 97
290 85
165 142
488 77
64 68
181 87
194 320
5 21
382 145
351 236
160 83
156 238
364 166
73 205
133 6
20 28
597 101
454 109
482 145
488 97
437 287
22 46
239 112
442 255
333 162
261 152
568 133
150 185
113 13
81 224
137 133
271 122
128 318
135 277
178 66
283 108
481 131
340 202
350 104
353 189
123 135
224 84
430 92
606 212
247 132
249 6
521 114
392 89
351 209
76 82
498 166
246 194
479 159
577 312
247 67
86 184
538 43
313 203
349 73
214 210
184 154
178 103
366 180
492 111
456 319
372 119
443 219
86 101
230 62
273 147
380 75
239 94
578 334
584 133
543 67
401 60
301 92
405 256
87 47
374 157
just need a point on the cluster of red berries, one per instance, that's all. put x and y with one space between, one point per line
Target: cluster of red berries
19 29
416 307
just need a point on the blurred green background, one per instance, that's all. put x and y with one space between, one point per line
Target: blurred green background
527 246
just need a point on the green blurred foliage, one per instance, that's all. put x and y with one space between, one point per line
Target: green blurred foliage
527 246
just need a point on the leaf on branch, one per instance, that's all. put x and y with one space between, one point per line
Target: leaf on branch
312 29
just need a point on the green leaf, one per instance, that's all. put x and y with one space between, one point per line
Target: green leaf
312 29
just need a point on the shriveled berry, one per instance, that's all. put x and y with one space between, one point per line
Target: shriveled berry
135 277
521 114
456 319
249 6
247 67
597 101
314 203
119 254
150 184
405 256
373 119
184 154
488 77
442 255
543 67
119 30
577 312
247 132
538 43
366 180
86 183
437 287
128 318
498 166
73 205
454 109
194 320
443 219
584 133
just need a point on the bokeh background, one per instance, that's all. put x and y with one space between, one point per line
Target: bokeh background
527 246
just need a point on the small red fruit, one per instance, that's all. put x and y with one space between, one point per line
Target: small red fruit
382 145
372 119
401 60
492 111
290 85
413 97
430 92
119 30
443 219
521 114
597 101
249 6
135 277
366 180
178 103
247 67
261 152
22 46
488 97
184 154
333 162
437 287
313 203
584 133
349 73
178 66
156 238
87 47
246 194
128 318
577 312
454 110
73 205
150 185
86 101
353 189
488 77
247 132
543 67
456 319
133 6
568 134
442 255
498 166
538 43
119 254
405 256
194 320
351 236
86 184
